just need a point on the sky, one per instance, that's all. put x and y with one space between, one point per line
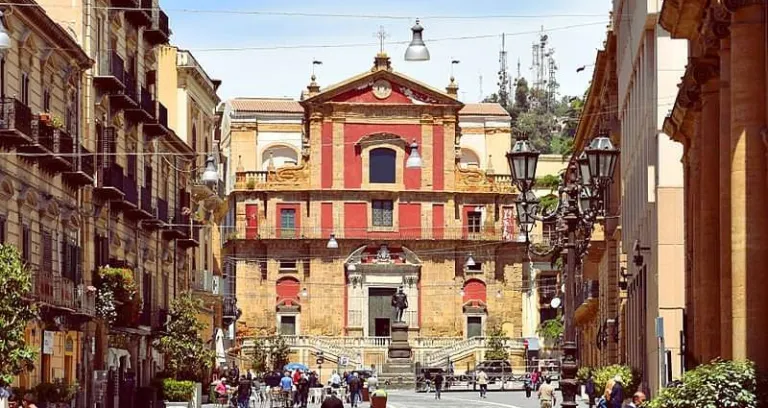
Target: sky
225 37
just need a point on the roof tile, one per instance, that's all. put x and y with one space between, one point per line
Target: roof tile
266 105
483 109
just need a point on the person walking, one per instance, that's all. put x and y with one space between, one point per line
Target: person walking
286 386
373 384
438 385
617 393
243 392
535 379
335 380
637 400
332 401
547 394
528 385
589 388
482 381
303 390
354 389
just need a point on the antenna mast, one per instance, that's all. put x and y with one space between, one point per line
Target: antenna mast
503 75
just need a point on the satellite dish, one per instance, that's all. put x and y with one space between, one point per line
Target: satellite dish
555 303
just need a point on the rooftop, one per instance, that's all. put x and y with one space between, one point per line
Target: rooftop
484 109
266 105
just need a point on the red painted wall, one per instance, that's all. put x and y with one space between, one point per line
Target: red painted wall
326 156
438 158
366 95
297 208
353 162
326 219
251 221
474 290
438 221
355 220
287 288
410 220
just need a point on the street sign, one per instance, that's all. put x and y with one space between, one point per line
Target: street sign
48 342
320 361
343 360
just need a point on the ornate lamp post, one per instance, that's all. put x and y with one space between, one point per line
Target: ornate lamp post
580 203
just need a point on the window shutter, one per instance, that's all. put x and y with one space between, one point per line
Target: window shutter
2 230
47 252
64 257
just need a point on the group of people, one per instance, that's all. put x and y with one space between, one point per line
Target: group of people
532 382
613 394
293 387
354 385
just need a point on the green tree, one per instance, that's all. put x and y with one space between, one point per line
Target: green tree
259 356
550 330
279 352
15 312
496 348
187 356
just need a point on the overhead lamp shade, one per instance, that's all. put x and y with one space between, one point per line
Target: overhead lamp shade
210 174
602 156
470 261
498 293
417 50
351 267
462 292
523 160
584 174
525 209
5 39
414 159
332 243
304 292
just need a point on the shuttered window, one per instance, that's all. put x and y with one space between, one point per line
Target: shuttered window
382 213
26 243
47 264
2 229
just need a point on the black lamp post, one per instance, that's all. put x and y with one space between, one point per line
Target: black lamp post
579 204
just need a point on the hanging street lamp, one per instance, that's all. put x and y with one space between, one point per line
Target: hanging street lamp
417 50
579 204
414 159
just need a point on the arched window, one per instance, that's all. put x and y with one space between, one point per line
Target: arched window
469 159
287 288
474 290
383 166
279 156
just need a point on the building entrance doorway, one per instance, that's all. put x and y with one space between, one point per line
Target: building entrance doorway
474 326
380 312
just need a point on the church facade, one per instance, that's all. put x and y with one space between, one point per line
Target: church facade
374 184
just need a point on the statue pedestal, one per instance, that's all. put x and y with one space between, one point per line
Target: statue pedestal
399 349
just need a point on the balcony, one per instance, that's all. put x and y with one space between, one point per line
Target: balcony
159 216
145 110
40 147
191 236
229 310
141 14
53 290
109 182
123 3
82 170
15 123
159 32
204 281
130 200
479 181
284 178
62 159
110 73
128 99
158 125
177 227
144 211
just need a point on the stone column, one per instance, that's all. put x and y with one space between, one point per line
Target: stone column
749 218
707 224
725 198
694 233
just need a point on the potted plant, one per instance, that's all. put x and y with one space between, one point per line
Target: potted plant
57 122
177 393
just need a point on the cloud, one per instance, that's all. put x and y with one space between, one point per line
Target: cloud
285 72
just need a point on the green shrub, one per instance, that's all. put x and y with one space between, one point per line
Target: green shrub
717 384
177 391
584 373
630 379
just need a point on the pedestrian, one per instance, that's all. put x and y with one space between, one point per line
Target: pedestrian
617 392
28 401
589 388
373 384
428 380
528 385
482 381
535 379
354 389
438 384
547 394
243 392
335 380
333 401
637 400
286 387
303 390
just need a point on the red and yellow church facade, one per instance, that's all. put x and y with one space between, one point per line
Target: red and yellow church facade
329 213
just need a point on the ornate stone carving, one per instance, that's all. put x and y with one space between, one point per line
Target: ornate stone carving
719 20
735 5
704 69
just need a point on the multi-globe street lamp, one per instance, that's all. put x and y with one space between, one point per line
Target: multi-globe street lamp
580 202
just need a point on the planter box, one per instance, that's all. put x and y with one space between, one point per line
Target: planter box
169 404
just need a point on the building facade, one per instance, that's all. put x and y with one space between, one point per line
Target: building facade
600 311
648 65
719 118
333 165
42 186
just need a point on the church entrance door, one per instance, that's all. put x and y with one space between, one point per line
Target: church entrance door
380 312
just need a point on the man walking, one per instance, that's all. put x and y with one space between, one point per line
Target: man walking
244 392
332 402
354 389
438 384
482 381
547 394
589 388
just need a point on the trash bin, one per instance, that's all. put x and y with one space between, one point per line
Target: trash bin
379 399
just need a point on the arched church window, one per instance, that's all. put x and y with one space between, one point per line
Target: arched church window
383 166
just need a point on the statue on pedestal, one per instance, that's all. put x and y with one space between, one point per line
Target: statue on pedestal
399 304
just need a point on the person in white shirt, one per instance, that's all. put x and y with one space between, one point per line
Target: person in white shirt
335 380
482 381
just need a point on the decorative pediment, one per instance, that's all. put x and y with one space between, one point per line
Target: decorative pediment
380 139
475 307
29 197
50 208
71 220
288 305
382 86
6 188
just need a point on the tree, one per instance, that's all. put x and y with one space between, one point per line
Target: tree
279 351
15 312
186 355
551 330
496 348
260 356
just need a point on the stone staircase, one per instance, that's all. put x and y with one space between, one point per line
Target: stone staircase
464 348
